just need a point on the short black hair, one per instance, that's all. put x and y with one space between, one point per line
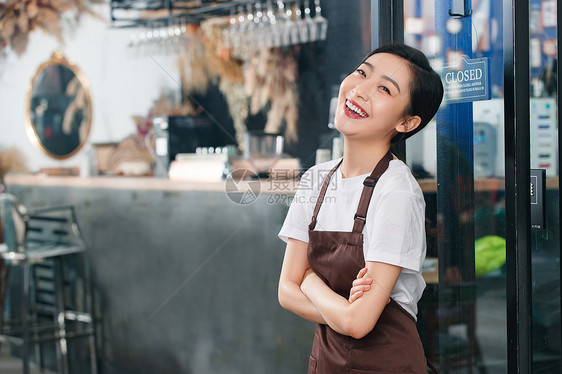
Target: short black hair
426 88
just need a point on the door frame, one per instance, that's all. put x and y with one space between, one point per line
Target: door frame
517 193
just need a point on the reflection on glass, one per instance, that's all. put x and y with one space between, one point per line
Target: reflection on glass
59 108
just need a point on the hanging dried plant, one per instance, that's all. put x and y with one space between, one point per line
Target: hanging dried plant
270 77
204 60
195 71
237 106
218 58
11 160
267 78
20 17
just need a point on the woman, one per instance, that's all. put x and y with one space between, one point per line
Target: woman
356 270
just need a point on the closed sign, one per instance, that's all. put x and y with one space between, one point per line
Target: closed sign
466 81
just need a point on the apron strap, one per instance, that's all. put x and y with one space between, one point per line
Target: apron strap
368 188
312 224
431 367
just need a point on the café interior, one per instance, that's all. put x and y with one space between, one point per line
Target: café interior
150 150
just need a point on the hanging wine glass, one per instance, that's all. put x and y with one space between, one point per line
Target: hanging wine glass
238 30
302 24
164 39
284 23
295 19
133 40
148 42
320 21
273 38
248 28
171 38
259 35
309 23
228 31
183 29
177 36
134 45
161 39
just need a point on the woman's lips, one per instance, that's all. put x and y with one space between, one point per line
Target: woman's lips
353 110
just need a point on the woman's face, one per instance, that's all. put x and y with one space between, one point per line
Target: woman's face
372 99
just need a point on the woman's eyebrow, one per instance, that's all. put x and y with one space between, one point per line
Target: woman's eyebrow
369 65
386 77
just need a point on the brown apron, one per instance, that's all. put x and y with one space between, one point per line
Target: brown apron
393 346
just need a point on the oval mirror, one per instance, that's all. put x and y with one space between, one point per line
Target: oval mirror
59 108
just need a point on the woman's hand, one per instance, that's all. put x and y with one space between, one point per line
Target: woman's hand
360 285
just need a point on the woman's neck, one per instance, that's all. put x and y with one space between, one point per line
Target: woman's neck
361 157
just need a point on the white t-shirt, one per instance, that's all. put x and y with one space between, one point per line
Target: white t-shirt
394 231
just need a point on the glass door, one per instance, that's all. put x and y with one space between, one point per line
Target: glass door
492 303
545 198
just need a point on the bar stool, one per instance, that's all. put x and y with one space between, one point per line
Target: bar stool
52 292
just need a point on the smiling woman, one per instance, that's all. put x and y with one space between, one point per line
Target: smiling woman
356 271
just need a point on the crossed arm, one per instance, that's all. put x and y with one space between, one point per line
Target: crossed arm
302 292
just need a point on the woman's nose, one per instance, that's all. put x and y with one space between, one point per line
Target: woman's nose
361 92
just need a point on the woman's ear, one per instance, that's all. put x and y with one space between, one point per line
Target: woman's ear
409 124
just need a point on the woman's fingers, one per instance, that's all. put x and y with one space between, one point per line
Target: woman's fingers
362 273
355 296
360 285
357 292
362 281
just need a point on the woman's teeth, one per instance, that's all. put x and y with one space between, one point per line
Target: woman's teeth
355 109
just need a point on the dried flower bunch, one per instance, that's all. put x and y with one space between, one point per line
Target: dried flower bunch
11 160
271 77
252 81
201 61
20 17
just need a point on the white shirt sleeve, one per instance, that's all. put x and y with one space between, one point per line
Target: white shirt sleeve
396 230
300 213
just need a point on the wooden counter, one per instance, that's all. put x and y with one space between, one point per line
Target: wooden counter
268 186
147 183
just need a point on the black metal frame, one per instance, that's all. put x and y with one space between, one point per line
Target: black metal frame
388 15
559 105
177 10
517 177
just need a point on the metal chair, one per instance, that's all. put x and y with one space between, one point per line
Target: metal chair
52 292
